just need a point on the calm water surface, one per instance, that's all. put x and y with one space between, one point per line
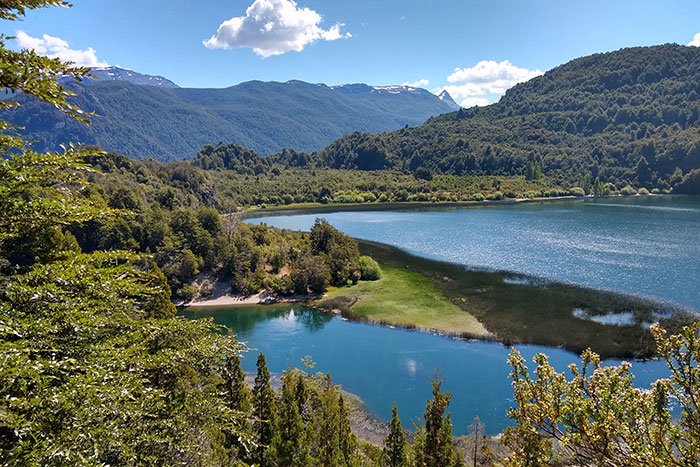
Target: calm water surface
642 245
384 365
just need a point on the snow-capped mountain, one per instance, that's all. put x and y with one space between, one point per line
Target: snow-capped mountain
445 97
114 73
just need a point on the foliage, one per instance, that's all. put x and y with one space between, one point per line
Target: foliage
96 368
434 443
628 117
600 418
395 453
369 269
478 450
174 123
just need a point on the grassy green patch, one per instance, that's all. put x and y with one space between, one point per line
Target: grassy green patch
515 311
405 298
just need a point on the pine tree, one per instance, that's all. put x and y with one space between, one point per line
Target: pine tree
236 390
265 420
327 425
237 397
347 441
394 454
436 449
291 446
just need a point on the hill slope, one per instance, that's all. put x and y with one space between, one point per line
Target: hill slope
630 116
165 122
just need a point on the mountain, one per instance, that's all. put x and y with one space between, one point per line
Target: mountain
144 116
629 116
114 73
447 98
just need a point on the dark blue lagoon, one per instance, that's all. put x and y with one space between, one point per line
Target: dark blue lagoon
384 365
641 245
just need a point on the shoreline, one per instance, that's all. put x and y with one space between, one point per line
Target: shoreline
293 209
230 300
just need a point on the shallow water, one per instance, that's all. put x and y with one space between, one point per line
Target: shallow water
384 365
644 245
641 245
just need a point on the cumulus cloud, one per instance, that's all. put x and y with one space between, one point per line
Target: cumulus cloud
421 83
483 83
696 40
55 47
274 27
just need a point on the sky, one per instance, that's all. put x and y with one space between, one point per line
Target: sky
476 49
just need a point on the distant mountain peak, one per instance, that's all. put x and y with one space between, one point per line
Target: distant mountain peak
446 98
115 73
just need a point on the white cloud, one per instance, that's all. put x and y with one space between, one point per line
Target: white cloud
421 83
274 27
55 47
485 82
696 40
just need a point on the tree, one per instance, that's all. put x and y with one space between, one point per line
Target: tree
436 448
478 449
264 412
237 397
395 446
291 446
644 173
600 418
347 441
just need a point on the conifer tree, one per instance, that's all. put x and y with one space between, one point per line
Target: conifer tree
264 414
237 397
436 448
347 441
291 447
236 390
327 425
394 454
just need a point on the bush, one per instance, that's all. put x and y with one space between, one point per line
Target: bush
577 191
643 192
627 191
187 292
369 269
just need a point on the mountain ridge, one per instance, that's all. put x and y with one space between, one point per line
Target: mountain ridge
153 118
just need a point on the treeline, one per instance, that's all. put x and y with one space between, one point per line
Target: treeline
307 422
627 117
168 211
223 181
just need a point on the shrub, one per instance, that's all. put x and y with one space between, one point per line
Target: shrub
627 191
369 269
643 192
577 191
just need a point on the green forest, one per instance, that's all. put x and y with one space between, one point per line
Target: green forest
98 369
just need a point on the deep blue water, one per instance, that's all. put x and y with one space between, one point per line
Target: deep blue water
384 365
641 245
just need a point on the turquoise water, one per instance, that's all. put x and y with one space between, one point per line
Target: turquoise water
644 245
384 365
641 245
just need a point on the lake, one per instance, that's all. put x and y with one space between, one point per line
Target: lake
644 245
384 365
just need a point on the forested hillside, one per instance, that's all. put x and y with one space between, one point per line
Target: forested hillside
630 116
170 123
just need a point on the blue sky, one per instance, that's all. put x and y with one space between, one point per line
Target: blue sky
370 41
